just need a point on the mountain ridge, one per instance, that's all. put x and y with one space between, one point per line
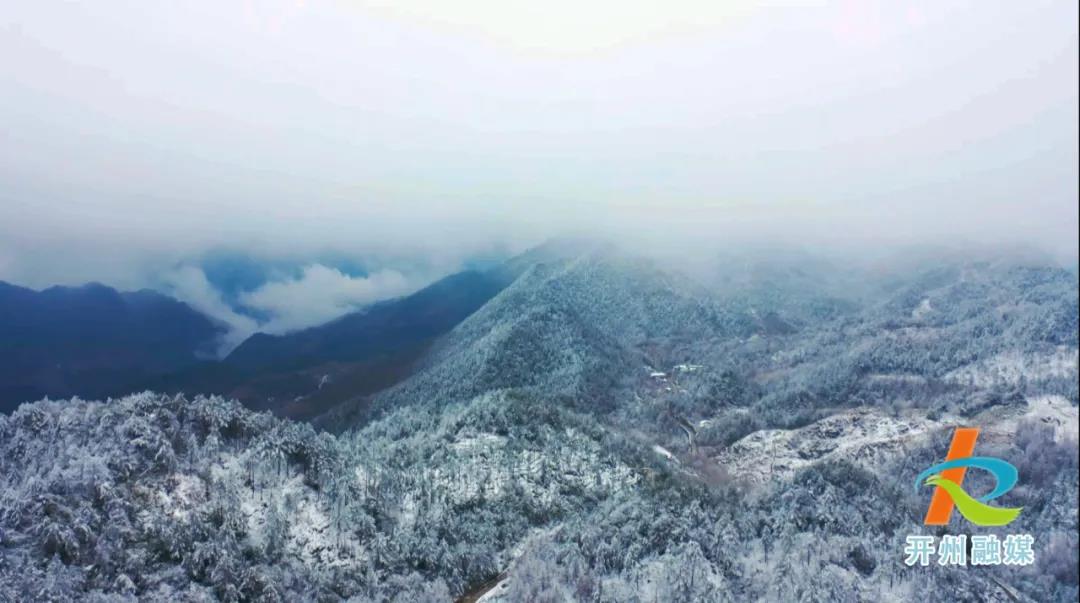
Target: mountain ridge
93 340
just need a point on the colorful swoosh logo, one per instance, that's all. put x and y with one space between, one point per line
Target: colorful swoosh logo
947 478
974 511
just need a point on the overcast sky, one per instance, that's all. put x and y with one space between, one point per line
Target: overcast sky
137 134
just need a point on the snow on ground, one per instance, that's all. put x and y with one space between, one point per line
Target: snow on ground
664 452
187 492
863 435
688 368
479 443
869 436
310 535
1058 412
485 466
896 379
922 309
497 593
1009 367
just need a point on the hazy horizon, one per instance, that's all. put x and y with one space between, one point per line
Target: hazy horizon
407 140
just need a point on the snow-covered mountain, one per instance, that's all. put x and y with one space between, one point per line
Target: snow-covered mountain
575 329
604 428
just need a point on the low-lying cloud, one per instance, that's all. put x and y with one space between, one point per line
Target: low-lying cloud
190 285
135 137
320 295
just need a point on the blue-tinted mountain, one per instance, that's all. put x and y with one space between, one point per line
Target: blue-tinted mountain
92 341
383 328
304 373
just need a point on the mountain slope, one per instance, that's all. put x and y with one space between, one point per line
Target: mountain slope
384 327
302 374
570 329
92 341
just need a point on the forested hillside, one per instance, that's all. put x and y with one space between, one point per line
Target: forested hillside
604 429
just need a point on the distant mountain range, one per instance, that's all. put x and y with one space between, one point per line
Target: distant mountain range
93 341
305 373
527 322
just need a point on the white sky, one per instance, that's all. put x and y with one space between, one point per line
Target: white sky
136 133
